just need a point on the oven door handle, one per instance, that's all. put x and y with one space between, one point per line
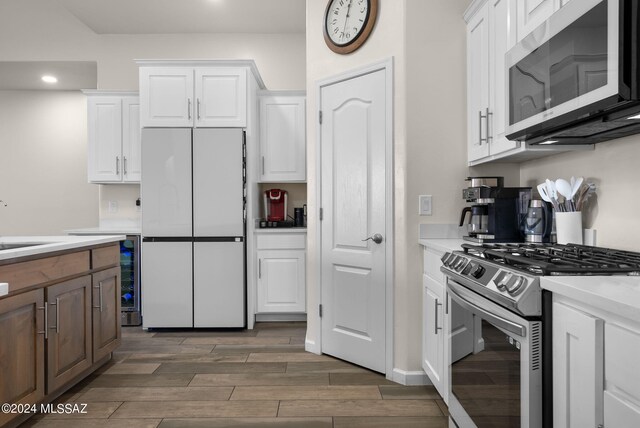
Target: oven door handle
463 298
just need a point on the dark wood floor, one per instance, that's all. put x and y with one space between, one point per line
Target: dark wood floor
252 378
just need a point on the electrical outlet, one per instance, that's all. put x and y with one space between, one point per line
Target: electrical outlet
424 204
112 207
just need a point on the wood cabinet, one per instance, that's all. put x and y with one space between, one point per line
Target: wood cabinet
69 351
113 137
106 312
52 330
282 137
281 280
193 96
22 352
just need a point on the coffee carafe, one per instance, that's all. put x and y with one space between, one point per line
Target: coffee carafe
478 221
538 222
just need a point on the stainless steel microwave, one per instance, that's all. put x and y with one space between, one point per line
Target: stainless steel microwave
576 78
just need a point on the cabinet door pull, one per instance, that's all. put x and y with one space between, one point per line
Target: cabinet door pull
124 164
262 165
259 268
480 117
99 287
436 316
189 108
45 308
57 305
198 108
489 133
117 165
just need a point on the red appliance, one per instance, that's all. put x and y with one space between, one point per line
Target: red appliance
275 205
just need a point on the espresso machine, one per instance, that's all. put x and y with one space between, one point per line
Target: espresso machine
497 212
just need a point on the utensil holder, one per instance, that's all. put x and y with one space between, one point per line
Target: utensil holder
569 227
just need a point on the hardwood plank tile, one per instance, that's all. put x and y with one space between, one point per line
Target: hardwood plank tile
335 366
118 356
248 423
443 407
222 368
96 410
161 349
132 368
121 380
297 340
152 341
187 358
359 408
231 340
289 332
91 423
196 409
315 392
247 349
400 392
294 357
395 422
136 331
206 333
156 394
243 379
368 378
196 349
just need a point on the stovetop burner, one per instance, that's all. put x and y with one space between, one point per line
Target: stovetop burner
556 259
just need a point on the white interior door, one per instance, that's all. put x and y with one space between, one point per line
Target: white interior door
353 146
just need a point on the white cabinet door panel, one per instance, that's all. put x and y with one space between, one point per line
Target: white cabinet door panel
433 333
218 284
166 284
105 137
221 97
281 281
217 182
131 141
166 97
532 13
166 182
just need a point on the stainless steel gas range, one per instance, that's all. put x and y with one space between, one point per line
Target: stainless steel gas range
500 346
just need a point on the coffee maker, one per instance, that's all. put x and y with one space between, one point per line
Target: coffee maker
496 211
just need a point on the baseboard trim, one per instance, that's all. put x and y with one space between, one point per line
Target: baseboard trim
311 346
409 378
280 317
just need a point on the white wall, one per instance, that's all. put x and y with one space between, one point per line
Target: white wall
43 163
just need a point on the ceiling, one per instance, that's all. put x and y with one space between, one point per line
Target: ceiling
27 75
189 16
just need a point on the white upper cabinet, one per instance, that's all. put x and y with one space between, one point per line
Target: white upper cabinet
532 13
489 37
282 138
210 97
113 137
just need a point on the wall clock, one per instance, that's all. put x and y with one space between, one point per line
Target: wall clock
348 23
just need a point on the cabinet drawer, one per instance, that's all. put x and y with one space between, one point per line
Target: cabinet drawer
281 242
621 348
105 257
432 264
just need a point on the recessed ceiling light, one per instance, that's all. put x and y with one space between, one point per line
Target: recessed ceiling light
49 79
549 142
637 116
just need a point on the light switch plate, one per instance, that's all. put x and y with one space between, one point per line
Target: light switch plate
424 204
112 207
4 288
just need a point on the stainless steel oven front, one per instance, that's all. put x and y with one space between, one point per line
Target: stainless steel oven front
495 373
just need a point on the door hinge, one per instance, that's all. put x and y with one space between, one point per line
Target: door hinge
321 214
320 116
320 311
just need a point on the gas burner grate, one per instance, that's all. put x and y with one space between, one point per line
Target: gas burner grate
556 259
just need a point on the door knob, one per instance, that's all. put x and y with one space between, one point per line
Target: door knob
377 238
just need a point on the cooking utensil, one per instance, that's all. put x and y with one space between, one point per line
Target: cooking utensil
563 187
575 185
542 190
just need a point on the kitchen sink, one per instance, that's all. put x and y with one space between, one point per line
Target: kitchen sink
5 246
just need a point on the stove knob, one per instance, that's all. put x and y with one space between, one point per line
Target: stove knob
453 260
468 268
477 271
460 264
444 258
515 286
502 279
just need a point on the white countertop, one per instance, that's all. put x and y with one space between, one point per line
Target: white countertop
443 245
280 230
109 230
616 294
51 243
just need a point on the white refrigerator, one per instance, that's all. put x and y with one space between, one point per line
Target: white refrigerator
193 228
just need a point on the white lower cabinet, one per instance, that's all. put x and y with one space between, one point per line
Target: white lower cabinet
281 282
596 381
433 336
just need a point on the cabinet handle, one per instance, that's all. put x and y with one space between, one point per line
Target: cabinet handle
436 316
46 320
117 165
489 133
57 305
198 108
480 117
259 268
124 164
189 108
99 287
262 165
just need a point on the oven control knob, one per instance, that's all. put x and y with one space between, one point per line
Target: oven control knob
445 257
477 271
502 280
468 268
460 264
515 286
453 261
449 261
